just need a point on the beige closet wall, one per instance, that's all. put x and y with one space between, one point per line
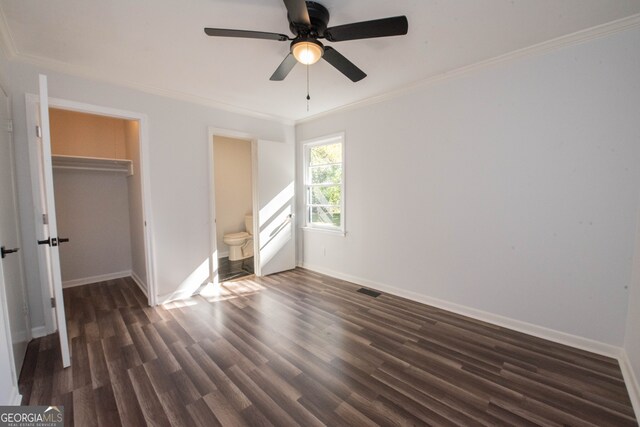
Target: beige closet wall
136 219
87 135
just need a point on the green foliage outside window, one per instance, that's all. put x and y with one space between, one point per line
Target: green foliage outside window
325 175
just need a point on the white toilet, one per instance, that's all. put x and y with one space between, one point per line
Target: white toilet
241 244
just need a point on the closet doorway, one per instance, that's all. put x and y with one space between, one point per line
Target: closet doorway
98 193
233 207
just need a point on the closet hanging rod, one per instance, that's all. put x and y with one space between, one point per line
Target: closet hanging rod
96 164
87 168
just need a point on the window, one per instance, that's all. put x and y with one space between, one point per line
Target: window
324 183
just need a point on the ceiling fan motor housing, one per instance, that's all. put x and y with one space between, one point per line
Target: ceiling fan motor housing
305 40
319 17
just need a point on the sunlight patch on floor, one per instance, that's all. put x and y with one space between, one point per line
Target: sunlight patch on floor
230 290
181 303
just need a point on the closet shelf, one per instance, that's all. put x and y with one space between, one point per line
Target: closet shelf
92 164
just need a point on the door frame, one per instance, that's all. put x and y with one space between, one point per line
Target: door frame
31 101
213 249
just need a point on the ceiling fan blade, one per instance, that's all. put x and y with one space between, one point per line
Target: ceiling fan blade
396 26
343 65
222 32
284 68
298 12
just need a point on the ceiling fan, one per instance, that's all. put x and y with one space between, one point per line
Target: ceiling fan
309 21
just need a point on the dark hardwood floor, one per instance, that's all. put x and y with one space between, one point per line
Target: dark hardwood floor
299 348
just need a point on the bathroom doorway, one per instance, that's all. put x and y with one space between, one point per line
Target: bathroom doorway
233 207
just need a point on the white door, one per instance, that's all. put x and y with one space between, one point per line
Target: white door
8 377
11 259
48 233
275 184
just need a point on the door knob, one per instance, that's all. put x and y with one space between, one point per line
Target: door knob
53 241
4 251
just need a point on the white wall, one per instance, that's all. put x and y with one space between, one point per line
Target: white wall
511 189
4 71
632 334
178 168
234 196
136 217
92 209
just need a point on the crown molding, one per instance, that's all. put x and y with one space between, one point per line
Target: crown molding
578 37
64 68
8 45
6 39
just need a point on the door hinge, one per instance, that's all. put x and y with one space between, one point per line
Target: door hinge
9 125
45 219
38 131
53 303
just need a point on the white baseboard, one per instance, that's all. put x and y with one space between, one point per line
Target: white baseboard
140 283
39 331
95 279
223 254
506 322
631 381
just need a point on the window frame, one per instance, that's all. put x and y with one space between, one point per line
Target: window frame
306 167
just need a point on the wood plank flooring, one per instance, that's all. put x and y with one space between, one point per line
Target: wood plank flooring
300 348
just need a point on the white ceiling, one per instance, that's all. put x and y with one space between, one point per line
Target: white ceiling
161 44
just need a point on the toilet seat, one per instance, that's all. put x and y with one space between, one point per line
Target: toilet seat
240 235
235 239
240 244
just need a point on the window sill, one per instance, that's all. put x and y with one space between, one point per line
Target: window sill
325 231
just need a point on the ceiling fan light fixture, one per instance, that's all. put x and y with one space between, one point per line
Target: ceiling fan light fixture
307 52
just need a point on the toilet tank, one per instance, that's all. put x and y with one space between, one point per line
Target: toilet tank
248 223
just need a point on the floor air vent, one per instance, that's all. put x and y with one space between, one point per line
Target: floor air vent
369 292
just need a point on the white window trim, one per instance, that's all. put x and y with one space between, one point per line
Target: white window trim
338 137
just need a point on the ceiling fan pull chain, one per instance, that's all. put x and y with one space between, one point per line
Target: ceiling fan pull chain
308 97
